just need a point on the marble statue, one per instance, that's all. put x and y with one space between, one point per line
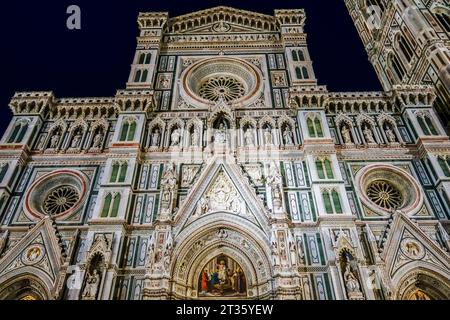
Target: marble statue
98 139
268 138
54 141
390 136
76 141
288 137
351 283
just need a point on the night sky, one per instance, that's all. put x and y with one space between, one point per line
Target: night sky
40 53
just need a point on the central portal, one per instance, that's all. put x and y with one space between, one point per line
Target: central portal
222 277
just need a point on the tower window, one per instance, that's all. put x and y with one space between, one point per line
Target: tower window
444 19
398 67
20 128
3 170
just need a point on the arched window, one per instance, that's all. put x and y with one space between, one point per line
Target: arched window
123 171
324 169
426 124
22 132
431 126
125 129
3 170
378 3
119 172
147 58
111 206
336 202
115 206
305 73
444 19
144 76
12 137
115 172
298 73
445 165
332 202
405 48
107 206
17 134
294 55
320 169
142 58
131 132
329 169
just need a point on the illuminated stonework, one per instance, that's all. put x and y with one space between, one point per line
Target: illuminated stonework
223 170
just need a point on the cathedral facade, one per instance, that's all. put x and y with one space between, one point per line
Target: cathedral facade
223 170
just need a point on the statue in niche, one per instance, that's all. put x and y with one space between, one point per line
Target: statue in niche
156 136
390 135
175 137
54 140
220 135
368 134
351 282
275 254
345 131
268 138
92 285
249 139
98 139
195 137
288 136
76 140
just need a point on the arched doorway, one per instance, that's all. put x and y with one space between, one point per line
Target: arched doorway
222 237
422 284
222 277
24 288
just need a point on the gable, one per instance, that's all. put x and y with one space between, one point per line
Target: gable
221 188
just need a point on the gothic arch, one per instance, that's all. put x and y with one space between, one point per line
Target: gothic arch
216 234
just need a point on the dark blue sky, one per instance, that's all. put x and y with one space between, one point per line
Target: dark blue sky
40 53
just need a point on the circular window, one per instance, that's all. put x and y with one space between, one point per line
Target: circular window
384 194
60 200
383 188
58 194
210 80
225 87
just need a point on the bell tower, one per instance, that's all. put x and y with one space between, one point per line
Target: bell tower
407 41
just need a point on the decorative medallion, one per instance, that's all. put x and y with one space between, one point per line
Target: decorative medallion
412 248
